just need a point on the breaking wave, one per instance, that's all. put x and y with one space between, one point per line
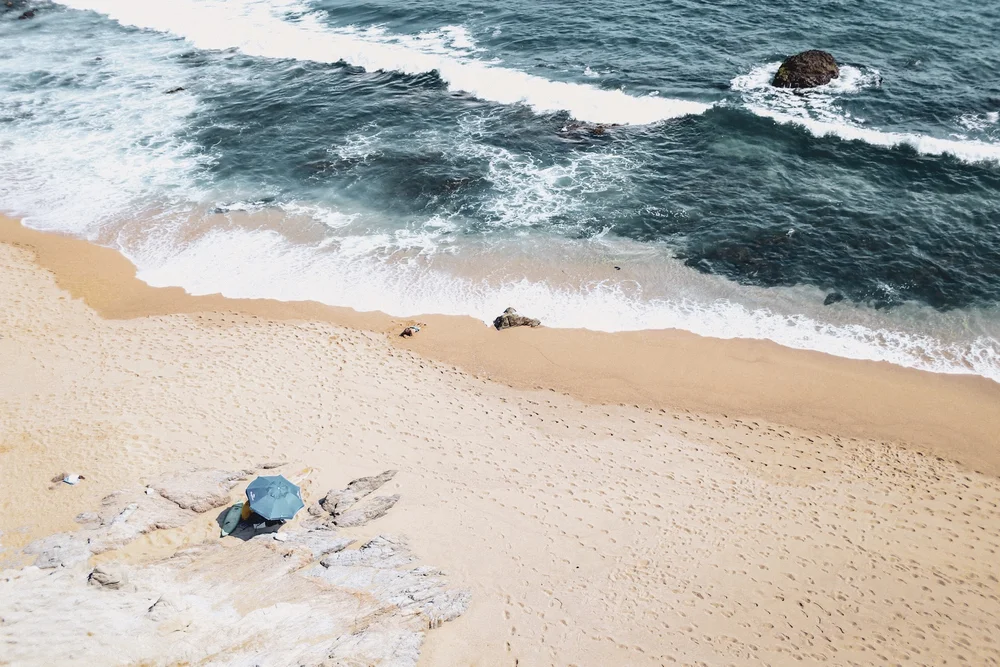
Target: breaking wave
818 111
287 29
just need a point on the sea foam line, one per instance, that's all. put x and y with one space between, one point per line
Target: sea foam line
259 29
353 272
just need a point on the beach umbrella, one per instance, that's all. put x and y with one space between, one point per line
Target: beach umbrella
274 497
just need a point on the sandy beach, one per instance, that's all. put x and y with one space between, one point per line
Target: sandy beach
606 499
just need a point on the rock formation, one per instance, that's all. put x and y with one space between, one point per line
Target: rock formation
306 599
510 318
200 490
111 576
806 70
338 506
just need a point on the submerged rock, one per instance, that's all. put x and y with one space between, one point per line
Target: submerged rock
510 319
833 297
806 70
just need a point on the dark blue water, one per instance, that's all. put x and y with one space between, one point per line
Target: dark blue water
408 142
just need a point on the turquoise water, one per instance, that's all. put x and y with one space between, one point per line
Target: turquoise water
619 166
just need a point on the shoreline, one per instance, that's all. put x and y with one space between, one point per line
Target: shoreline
950 416
579 533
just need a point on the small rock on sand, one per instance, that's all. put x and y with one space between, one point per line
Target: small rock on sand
511 319
110 576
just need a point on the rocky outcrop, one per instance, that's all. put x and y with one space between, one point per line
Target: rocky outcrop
510 319
170 502
806 70
200 490
337 501
300 596
376 508
337 508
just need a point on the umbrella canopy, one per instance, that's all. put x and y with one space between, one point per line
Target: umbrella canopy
274 497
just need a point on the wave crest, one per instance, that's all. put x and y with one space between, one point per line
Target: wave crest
288 29
819 111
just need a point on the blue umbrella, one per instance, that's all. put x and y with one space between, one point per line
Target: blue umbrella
274 498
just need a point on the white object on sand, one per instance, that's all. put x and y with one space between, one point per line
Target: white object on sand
280 537
72 480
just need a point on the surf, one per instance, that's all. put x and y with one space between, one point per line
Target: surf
283 29
817 111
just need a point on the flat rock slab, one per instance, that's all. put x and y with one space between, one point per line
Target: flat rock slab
200 490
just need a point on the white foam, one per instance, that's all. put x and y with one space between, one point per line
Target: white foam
817 111
526 193
354 272
851 80
288 29
979 126
966 150
104 147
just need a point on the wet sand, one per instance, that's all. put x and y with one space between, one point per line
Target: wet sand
951 416
636 499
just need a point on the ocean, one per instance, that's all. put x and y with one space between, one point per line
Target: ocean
614 166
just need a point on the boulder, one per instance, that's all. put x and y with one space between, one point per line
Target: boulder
110 576
806 70
510 319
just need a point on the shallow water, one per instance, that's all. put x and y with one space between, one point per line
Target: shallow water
408 158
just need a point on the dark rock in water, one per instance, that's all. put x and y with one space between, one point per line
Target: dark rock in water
30 14
807 70
576 128
455 184
833 297
174 90
510 319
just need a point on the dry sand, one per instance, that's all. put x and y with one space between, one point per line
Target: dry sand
588 533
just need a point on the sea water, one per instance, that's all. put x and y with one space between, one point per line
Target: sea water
615 166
